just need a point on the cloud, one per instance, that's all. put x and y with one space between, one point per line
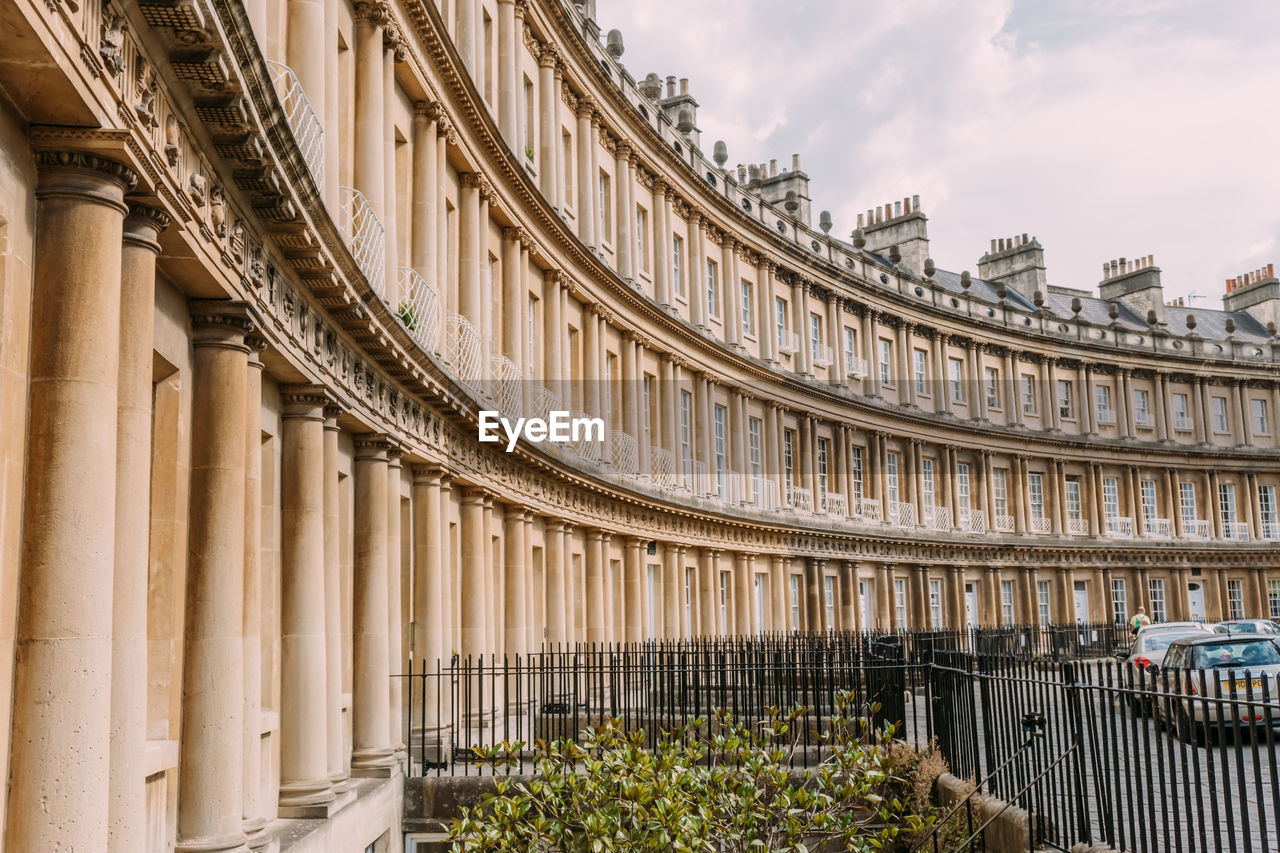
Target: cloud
1105 129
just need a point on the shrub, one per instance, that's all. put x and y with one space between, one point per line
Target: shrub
408 316
733 789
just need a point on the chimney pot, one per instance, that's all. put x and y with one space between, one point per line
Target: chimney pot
1001 244
1270 272
860 222
684 85
993 245
897 209
795 162
915 202
773 168
671 85
1024 238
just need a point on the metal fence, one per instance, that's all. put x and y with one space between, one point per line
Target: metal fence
1094 749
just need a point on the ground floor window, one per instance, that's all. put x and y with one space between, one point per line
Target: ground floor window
935 603
1273 597
1155 586
900 600
795 602
1006 602
1235 599
1119 602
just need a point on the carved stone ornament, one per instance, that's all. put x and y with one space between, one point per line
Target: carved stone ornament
195 188
112 47
145 109
172 139
217 212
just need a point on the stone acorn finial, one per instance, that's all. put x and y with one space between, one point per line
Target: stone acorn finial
859 238
651 88
1113 311
1002 292
685 121
966 280
1191 322
1151 317
1076 305
1231 326
929 268
792 203
1271 329
613 44
720 153
895 254
1038 298
824 221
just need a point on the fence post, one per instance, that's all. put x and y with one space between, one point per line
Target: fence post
1075 713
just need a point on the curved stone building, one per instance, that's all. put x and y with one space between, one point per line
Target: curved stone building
265 263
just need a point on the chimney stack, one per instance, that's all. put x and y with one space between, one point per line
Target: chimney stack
1136 283
902 224
1256 291
1017 262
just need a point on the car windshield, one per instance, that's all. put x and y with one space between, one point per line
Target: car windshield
1161 641
1240 655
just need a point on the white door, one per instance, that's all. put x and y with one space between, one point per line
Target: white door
971 604
653 602
864 595
759 614
1195 599
1082 601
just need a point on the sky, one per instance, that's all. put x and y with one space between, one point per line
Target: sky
1106 128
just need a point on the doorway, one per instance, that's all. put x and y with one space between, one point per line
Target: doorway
864 596
1195 600
1082 601
971 604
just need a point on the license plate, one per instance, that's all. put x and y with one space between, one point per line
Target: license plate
1243 684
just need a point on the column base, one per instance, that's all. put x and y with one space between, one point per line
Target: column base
373 764
305 799
233 843
340 782
320 811
259 840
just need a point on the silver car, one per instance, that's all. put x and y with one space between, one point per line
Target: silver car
1247 626
1215 683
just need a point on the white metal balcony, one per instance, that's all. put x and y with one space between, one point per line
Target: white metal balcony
1195 528
304 123
590 444
462 351
821 355
700 483
1106 416
544 401
729 487
1077 527
765 494
365 237
1158 528
503 385
834 503
1182 422
855 367
1238 530
1144 419
625 453
1271 530
1041 525
1120 526
788 342
937 517
973 520
1004 524
902 513
869 509
661 466
419 309
800 499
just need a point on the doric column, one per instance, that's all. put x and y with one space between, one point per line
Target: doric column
303 32
697 273
468 32
335 748
1016 493
848 595
397 581
251 618
390 185
730 299
305 784
553 326
424 239
812 579
370 119
632 570
1163 427
886 613
1089 405
1013 406
1202 415
1124 402
64 612
778 611
671 585
509 37
708 592
128 810
1173 492
942 386
586 175
977 393
766 322
473 576
1027 595
882 478
992 597
429 642
742 571
595 581
557 586
1242 430
1056 503
514 300
514 595
210 804
372 753
800 315
548 126
869 343
1050 418
834 326
624 216
470 238
906 349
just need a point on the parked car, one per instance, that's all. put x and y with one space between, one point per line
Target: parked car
1247 626
1218 683
1149 650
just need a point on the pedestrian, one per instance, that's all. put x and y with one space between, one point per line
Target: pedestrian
1139 619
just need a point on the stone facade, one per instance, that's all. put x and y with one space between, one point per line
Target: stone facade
264 261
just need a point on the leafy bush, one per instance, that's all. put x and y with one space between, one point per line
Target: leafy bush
717 787
408 316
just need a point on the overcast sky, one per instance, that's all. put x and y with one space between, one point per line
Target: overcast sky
1106 128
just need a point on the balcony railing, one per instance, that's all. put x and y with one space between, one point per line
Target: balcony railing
1077 527
419 309
1143 419
821 355
800 499
902 513
788 342
1182 422
365 236
304 123
1195 528
700 483
624 453
661 466
869 509
937 517
1271 530
973 520
729 487
588 446
544 401
504 385
1004 524
766 494
1238 530
854 366
1120 526
462 348
1041 525
1158 528
1106 416
834 503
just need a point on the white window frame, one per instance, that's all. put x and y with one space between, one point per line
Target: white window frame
1235 598
957 379
1110 497
991 380
1035 491
900 601
1066 403
1218 406
1155 593
920 371
1187 491
748 309
713 289
1007 611
935 603
677 265
962 485
891 475
999 492
1258 416
1044 606
720 416
1119 601
886 359
1147 489
686 435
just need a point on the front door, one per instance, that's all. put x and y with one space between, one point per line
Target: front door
1082 601
1195 600
864 595
760 604
971 604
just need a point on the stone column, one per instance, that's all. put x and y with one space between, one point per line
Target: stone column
429 643
671 584
305 784
514 300
1163 428
742 572
1124 402
835 328
1173 491
392 49
557 588
548 126
886 613
906 352
708 588
800 321
1242 431
210 803
942 384
1089 405
869 342
1050 420
335 747
730 297
369 118
624 216
594 559
304 33
765 326
397 583
470 302
507 83
515 555
848 595
1013 406
423 243
994 607
372 753
977 393
586 175
64 613
468 33
697 273
128 811
254 813
633 570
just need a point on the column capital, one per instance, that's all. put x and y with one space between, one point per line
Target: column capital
373 11
549 57
83 175
429 474
221 323
143 224
429 110
308 402
331 412
374 446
